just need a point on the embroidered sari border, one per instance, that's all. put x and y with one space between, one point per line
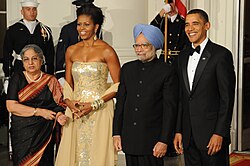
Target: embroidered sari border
33 88
33 160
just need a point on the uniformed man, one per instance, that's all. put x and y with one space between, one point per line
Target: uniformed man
176 38
26 31
68 37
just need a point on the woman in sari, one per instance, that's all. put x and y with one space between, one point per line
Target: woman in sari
35 102
87 135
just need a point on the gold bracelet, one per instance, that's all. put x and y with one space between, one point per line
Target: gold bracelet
97 104
34 112
94 106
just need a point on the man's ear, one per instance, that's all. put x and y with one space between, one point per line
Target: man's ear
207 26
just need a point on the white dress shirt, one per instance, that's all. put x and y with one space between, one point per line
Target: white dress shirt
193 62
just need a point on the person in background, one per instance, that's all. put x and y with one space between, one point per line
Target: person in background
207 90
27 31
146 108
68 36
176 38
35 102
176 41
87 136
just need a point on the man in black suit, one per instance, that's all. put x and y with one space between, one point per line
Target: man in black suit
207 89
146 107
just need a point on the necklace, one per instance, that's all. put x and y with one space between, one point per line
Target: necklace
31 80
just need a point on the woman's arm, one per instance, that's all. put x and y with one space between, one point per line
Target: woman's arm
69 79
68 62
113 63
114 67
18 109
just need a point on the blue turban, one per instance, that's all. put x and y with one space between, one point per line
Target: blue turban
151 33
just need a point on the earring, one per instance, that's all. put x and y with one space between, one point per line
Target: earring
95 37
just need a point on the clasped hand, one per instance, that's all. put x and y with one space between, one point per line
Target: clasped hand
80 109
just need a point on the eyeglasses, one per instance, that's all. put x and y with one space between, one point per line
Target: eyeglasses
143 45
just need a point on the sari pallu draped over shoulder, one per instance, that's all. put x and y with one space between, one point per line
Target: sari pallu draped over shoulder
31 135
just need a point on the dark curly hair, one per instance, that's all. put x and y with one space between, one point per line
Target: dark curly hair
95 12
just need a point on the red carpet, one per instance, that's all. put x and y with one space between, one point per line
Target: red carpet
238 159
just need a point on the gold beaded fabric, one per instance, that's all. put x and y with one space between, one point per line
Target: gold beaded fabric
88 141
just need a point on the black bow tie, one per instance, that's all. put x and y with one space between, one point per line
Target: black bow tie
197 49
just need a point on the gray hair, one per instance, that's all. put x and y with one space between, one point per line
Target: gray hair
34 47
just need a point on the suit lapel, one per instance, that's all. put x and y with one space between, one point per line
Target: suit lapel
184 69
206 54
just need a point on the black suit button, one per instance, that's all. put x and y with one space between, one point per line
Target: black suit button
134 123
137 95
140 82
143 69
136 109
190 98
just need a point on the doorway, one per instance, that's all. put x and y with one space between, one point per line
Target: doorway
244 75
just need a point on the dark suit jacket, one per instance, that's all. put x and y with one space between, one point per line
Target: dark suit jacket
17 36
177 37
208 108
68 37
146 106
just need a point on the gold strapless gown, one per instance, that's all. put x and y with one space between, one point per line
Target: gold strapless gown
91 135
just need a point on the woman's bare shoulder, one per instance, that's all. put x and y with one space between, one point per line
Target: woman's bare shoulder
107 49
74 47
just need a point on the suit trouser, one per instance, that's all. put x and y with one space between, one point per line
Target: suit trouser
196 157
143 160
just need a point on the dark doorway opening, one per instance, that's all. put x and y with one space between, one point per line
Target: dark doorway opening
246 80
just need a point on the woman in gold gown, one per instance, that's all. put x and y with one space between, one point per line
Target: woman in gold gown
87 136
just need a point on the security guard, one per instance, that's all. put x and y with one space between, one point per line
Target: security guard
27 31
68 36
176 38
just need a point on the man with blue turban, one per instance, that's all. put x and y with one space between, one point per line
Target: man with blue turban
146 107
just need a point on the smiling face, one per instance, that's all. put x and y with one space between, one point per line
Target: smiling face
86 27
29 13
196 28
144 50
31 61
